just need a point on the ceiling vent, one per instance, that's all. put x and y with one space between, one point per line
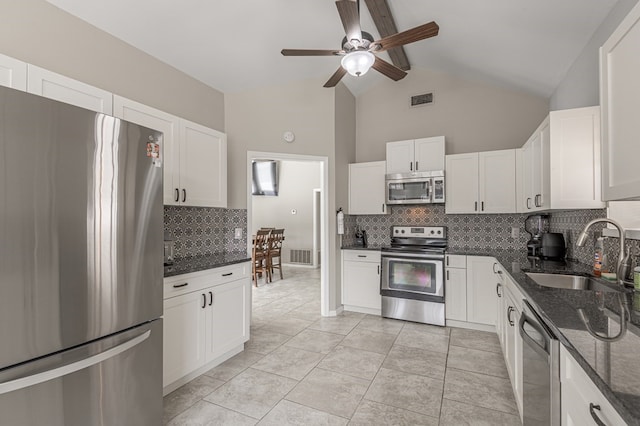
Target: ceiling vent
424 99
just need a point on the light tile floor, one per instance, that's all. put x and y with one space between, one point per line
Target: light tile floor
302 369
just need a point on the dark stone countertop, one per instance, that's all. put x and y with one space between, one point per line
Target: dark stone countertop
374 248
186 265
613 367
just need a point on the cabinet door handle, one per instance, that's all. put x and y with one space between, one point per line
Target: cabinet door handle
184 195
482 205
447 260
228 274
378 269
498 289
362 255
528 203
210 298
475 207
594 415
204 300
416 166
447 275
509 310
382 207
177 195
411 165
180 285
536 202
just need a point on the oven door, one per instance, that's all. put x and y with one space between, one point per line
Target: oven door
412 276
409 190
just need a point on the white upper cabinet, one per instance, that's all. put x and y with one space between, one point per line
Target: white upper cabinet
367 188
561 163
194 156
620 102
416 155
481 182
13 73
203 166
64 89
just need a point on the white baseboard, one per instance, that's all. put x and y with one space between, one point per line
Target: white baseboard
214 363
362 310
470 325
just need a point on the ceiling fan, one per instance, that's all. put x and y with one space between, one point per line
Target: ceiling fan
359 47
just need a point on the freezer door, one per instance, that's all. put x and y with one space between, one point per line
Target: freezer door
81 226
114 381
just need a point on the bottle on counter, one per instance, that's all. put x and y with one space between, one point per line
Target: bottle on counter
597 257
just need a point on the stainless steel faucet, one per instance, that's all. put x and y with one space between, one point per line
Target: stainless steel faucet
622 256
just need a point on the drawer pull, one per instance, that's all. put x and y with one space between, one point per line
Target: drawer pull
509 310
204 301
594 415
362 255
210 298
180 285
228 274
498 289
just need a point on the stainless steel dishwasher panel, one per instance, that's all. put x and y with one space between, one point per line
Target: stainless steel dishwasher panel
540 370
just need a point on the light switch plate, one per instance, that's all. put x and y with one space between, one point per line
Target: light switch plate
515 232
238 233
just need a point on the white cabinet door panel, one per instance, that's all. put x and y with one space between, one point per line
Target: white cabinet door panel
455 294
184 335
367 188
400 156
497 189
229 317
462 183
362 285
481 283
13 73
64 89
429 154
203 166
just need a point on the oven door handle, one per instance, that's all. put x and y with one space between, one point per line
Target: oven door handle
403 256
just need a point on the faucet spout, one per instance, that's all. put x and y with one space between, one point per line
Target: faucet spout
582 239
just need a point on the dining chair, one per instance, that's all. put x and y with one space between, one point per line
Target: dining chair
275 250
260 256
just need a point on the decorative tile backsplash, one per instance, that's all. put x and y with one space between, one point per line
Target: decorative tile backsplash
204 230
486 231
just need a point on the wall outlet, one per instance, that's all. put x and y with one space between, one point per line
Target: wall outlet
238 233
515 232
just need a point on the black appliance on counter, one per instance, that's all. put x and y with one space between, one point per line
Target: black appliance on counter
361 237
552 246
536 226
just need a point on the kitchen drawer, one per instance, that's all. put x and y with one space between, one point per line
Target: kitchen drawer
455 261
361 255
579 392
183 284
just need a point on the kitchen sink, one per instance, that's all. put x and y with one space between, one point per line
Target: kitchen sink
570 282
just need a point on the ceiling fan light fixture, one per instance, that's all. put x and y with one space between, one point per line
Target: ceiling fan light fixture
357 63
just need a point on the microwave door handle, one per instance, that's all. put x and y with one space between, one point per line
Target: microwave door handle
430 186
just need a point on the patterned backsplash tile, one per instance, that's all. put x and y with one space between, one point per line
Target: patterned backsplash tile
204 230
486 231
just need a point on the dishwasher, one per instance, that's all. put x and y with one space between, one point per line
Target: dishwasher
540 370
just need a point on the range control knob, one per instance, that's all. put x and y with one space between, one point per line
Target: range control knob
403 231
432 232
439 232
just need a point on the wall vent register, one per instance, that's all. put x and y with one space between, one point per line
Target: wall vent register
424 99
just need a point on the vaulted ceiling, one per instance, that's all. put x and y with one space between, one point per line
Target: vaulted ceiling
234 45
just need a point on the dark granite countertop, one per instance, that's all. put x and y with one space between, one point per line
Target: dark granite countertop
186 265
613 367
374 248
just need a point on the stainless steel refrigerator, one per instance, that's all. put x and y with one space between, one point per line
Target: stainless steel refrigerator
81 249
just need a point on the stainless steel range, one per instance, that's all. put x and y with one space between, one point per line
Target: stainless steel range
412 278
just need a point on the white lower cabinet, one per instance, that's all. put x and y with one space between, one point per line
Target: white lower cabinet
206 321
482 278
361 281
512 349
581 399
455 287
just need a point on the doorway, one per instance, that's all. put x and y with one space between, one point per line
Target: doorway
320 197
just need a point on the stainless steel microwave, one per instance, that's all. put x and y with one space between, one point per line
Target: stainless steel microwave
415 188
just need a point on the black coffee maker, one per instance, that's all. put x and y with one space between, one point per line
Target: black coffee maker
361 237
536 226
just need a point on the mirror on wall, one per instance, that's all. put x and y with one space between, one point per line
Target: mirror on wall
627 213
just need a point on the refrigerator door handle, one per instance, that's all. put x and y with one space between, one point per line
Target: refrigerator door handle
54 373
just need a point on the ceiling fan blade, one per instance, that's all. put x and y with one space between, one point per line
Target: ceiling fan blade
384 67
311 52
350 16
386 26
336 77
410 36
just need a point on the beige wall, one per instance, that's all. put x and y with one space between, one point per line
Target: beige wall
472 116
37 32
581 86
